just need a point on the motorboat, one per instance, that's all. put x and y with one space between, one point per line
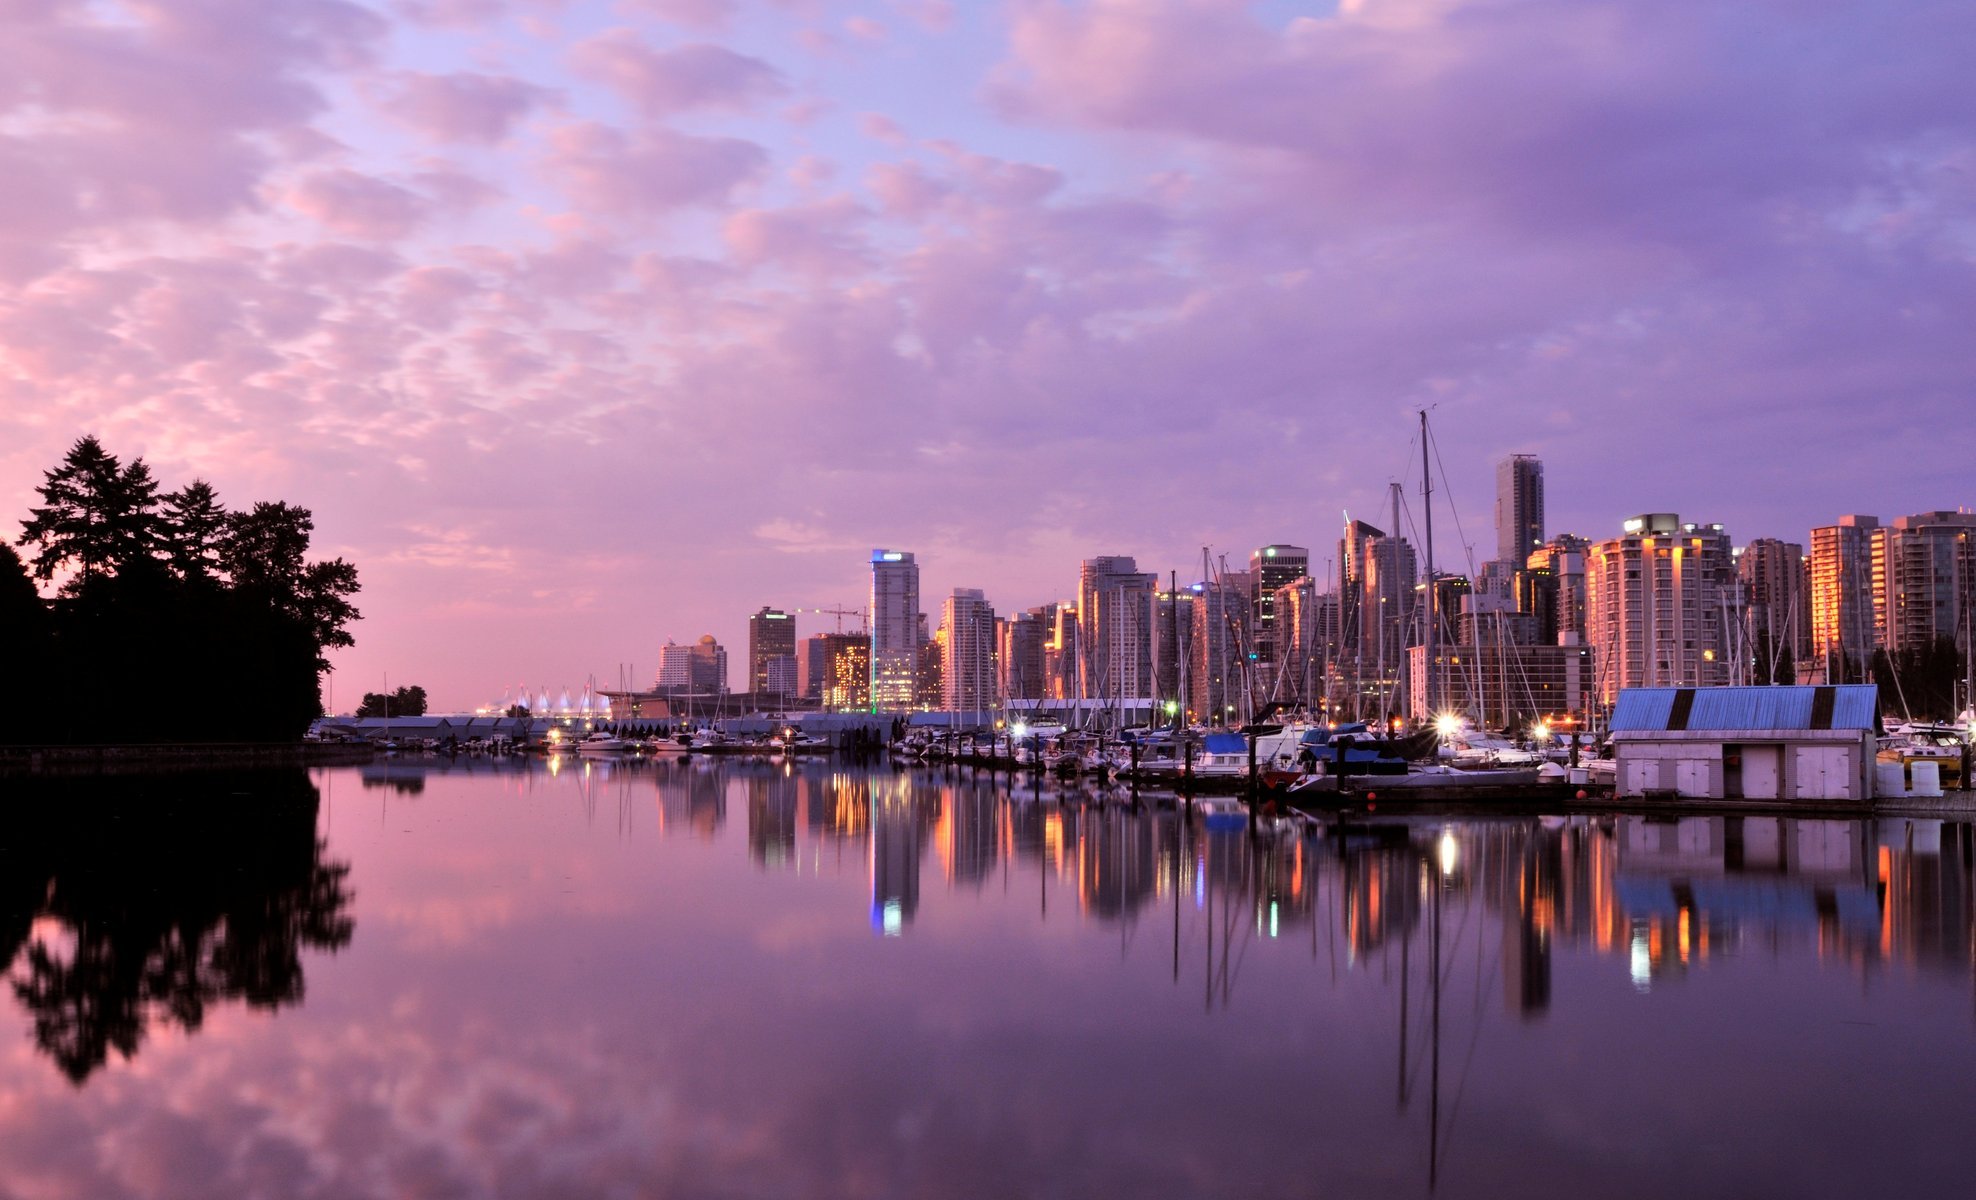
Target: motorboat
604 743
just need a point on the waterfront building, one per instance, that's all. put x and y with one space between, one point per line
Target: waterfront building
1115 645
1519 507
1776 593
1021 659
1271 567
1747 743
967 652
896 624
813 667
1659 605
700 667
1501 683
1388 606
1842 626
1923 568
1060 654
771 634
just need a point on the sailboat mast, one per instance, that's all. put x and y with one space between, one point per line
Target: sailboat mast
1433 616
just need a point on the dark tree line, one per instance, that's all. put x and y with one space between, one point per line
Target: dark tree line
400 702
173 619
1925 681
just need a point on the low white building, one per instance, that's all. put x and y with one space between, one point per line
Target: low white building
1789 744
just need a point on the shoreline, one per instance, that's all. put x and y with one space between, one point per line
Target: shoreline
148 758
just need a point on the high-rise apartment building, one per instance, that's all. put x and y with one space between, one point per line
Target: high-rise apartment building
1843 636
1659 605
1214 673
1551 587
967 652
1923 570
779 675
771 634
1777 599
1519 507
895 629
1308 628
1021 660
1271 567
1115 628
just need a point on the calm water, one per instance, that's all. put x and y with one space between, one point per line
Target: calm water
739 979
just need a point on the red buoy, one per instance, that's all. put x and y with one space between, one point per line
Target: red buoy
1581 793
1372 795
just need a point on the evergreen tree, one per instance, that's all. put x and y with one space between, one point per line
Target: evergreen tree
265 555
24 650
98 517
195 529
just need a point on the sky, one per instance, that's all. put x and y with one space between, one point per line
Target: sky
582 325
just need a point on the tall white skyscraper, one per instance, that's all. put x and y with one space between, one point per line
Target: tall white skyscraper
894 629
967 652
1115 628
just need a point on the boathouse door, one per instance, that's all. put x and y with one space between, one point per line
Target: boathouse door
1763 771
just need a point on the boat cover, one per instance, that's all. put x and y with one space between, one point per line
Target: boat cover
1226 743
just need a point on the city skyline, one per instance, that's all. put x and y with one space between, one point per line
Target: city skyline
580 325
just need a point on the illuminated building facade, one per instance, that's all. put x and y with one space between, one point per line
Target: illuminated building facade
1923 568
1271 567
1502 683
1020 659
699 667
895 629
1777 597
1658 605
845 684
1842 626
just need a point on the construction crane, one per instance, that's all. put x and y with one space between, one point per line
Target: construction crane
840 614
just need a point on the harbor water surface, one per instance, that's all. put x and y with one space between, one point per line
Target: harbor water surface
751 979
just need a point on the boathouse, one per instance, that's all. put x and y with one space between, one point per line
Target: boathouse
1812 744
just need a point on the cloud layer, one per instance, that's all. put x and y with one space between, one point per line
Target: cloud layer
563 316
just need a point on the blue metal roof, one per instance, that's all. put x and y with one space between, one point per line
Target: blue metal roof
1853 706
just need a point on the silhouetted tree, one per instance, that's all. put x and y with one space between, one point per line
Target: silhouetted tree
400 702
97 516
195 528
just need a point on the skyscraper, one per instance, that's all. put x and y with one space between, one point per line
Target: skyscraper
1115 619
771 634
1659 596
967 668
1213 674
1519 507
1021 661
1842 632
1924 570
700 667
895 620
1272 567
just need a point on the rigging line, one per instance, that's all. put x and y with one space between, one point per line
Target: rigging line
1468 1061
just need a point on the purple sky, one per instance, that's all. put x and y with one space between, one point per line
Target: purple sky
582 325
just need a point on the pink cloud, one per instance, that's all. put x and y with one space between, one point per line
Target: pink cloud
709 16
463 106
650 170
881 128
664 82
818 239
358 205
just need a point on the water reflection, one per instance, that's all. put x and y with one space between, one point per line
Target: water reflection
130 906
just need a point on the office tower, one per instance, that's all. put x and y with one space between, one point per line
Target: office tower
771 634
1843 637
1115 620
1777 602
845 682
1270 568
895 629
967 660
1660 601
1923 570
814 667
1519 507
1021 661
779 675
